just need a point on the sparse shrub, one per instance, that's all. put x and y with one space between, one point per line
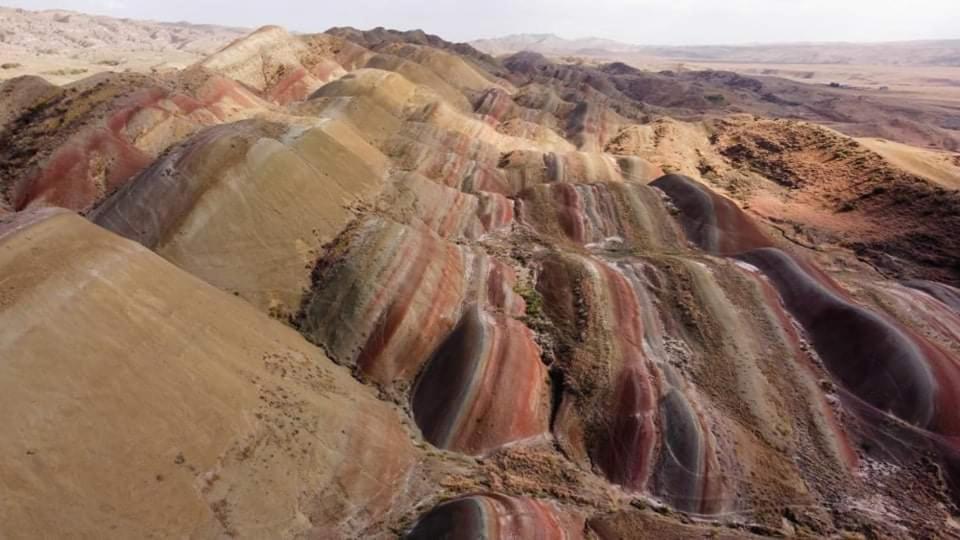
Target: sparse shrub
534 301
716 99
66 72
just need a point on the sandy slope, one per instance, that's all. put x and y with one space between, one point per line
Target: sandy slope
940 167
221 421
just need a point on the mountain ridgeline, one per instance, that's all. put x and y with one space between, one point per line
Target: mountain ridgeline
375 284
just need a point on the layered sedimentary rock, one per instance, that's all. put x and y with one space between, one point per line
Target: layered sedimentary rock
485 386
401 290
107 129
611 214
946 294
220 405
397 289
888 370
624 405
714 223
492 313
448 212
247 206
497 516
283 68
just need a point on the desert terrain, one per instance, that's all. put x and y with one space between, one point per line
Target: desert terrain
376 284
63 46
923 74
893 53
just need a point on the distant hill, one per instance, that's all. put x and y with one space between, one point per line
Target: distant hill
929 53
59 31
549 44
64 45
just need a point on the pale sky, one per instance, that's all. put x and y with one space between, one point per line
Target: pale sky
648 22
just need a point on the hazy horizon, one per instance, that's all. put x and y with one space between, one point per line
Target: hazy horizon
637 22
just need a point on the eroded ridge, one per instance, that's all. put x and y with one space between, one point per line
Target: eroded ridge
409 289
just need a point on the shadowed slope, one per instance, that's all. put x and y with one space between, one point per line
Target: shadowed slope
712 222
891 368
400 290
484 387
497 516
872 358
